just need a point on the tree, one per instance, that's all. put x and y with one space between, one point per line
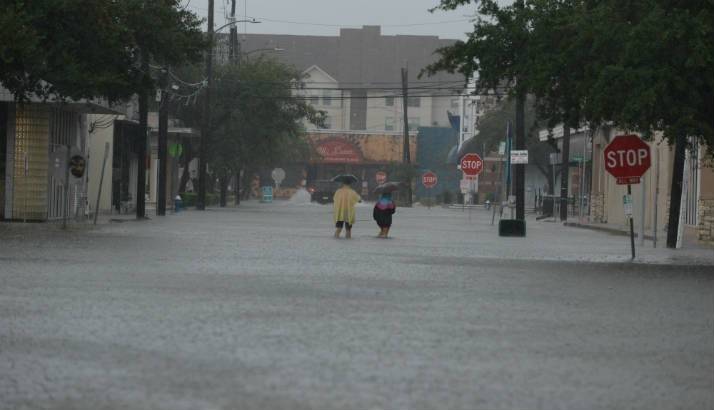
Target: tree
497 53
257 119
77 49
655 72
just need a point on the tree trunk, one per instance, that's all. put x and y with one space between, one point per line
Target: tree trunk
247 176
237 187
675 198
186 174
565 173
223 181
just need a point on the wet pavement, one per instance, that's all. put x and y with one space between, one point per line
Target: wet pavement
260 308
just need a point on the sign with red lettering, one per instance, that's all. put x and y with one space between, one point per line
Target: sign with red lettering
429 179
627 158
471 164
338 151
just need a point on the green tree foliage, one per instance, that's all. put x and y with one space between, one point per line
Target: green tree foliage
641 65
256 118
494 52
655 70
85 49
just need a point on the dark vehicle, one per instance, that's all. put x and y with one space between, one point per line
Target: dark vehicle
323 191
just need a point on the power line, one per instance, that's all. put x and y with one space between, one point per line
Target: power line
317 24
304 23
367 97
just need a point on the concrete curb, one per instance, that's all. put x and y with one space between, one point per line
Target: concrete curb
613 231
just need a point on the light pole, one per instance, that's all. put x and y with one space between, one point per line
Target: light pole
206 134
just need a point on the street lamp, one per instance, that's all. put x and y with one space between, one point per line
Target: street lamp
231 23
205 134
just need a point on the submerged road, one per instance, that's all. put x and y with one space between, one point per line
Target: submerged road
260 308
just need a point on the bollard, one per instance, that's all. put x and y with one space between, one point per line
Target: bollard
178 203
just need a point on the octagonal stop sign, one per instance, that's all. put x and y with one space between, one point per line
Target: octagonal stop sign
429 179
471 164
627 158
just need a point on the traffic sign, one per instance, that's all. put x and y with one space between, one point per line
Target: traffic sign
429 179
471 164
519 156
380 177
278 175
627 158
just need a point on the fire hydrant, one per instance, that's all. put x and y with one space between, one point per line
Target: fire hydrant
178 203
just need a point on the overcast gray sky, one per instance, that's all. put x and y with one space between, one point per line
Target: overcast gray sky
325 17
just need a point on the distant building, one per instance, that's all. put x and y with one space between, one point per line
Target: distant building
356 77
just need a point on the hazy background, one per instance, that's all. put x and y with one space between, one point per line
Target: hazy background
326 17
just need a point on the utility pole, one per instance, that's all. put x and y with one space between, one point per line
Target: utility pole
234 56
143 140
206 133
520 174
406 148
565 173
234 53
163 142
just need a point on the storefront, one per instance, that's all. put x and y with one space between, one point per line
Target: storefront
41 141
365 155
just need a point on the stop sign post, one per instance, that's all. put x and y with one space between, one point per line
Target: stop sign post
627 158
380 177
429 180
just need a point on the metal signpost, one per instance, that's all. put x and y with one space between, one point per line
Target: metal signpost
278 176
627 158
101 180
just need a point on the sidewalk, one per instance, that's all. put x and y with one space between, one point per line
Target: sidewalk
690 243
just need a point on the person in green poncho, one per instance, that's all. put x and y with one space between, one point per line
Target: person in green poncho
344 209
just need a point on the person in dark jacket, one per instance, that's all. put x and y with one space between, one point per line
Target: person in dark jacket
382 214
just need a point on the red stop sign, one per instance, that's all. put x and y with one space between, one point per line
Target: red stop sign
471 164
627 158
429 179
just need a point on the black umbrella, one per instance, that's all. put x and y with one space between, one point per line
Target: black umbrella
348 179
387 187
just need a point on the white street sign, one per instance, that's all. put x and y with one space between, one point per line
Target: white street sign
278 175
519 156
465 185
627 205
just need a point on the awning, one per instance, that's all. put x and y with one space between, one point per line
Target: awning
183 132
81 106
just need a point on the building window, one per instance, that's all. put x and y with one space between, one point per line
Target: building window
314 100
389 101
389 124
326 97
413 123
414 102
